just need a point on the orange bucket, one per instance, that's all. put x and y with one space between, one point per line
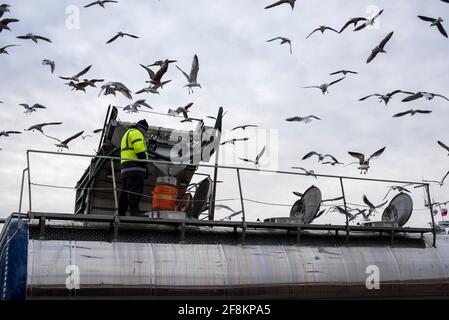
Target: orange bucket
164 194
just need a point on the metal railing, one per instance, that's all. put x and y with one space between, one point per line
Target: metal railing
244 224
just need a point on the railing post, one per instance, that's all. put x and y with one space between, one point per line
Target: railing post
346 209
29 182
241 195
114 185
431 215
21 192
214 187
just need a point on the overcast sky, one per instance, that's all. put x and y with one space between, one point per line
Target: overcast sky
257 82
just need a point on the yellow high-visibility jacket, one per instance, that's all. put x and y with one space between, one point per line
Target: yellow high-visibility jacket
133 146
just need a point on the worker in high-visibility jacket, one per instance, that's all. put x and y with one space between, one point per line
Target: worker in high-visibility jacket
133 173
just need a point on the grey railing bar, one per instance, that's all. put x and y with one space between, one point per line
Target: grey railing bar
229 167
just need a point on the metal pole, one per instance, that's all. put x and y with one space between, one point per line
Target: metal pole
114 185
21 192
214 189
241 196
346 209
431 215
29 182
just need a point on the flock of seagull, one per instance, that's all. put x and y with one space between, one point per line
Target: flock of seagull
157 74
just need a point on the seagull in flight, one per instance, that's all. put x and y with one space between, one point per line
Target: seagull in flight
324 87
78 75
133 107
307 172
435 23
47 62
444 146
161 62
364 163
283 40
277 3
192 77
101 3
320 156
371 207
441 183
379 48
346 213
233 141
385 97
395 188
3 9
33 37
411 112
303 119
322 29
256 161
4 23
3 49
421 94
29 110
244 127
113 87
353 21
156 78
369 22
344 72
39 126
153 88
184 110
7 133
121 35
64 144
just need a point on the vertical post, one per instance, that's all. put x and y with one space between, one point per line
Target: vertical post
431 215
114 185
21 192
214 188
241 195
346 209
29 182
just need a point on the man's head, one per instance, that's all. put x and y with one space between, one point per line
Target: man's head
142 125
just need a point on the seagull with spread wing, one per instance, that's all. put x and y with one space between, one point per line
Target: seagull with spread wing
192 77
422 94
78 75
379 48
113 87
4 8
156 78
121 35
371 207
4 23
344 72
396 188
324 87
243 127
369 22
100 3
364 163
133 107
3 49
354 21
65 143
322 29
411 112
441 183
444 146
283 40
385 97
7 133
33 37
30 109
320 156
307 172
39 127
184 110
256 161
277 3
303 119
435 23
47 62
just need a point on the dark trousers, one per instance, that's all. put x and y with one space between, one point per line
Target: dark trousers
132 188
